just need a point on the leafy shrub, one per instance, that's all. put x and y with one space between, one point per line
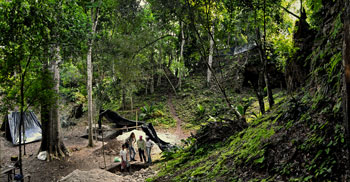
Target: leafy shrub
146 112
200 110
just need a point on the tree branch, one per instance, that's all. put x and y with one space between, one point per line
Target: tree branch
160 38
285 9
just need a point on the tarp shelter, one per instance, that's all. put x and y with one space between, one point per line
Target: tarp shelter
32 127
121 122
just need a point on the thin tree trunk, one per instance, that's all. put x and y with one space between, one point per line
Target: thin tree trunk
124 98
266 77
151 90
94 19
113 71
20 126
131 102
170 59
210 58
146 87
181 55
261 94
159 81
152 84
172 86
259 89
89 89
24 134
346 63
159 73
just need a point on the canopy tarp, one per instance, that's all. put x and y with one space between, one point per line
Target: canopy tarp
32 128
146 127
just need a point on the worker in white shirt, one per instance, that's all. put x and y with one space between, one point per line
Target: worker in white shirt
149 145
123 155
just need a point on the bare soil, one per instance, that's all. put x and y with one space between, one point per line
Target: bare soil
81 157
178 131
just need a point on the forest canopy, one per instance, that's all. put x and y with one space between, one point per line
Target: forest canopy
251 78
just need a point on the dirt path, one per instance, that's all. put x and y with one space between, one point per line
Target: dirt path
178 131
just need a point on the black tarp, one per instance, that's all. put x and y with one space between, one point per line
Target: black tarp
32 127
148 128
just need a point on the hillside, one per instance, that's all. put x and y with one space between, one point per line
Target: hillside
300 139
235 90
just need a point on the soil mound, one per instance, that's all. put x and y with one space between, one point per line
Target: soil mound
90 176
102 175
113 147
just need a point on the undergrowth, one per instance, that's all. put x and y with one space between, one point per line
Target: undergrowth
295 141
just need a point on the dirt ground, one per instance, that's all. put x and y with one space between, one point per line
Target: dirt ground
81 157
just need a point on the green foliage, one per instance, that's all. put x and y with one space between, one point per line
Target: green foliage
200 110
146 111
29 32
337 27
283 48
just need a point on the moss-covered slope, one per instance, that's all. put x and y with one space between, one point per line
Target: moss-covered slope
300 139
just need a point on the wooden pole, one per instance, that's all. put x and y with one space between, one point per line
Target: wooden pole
136 119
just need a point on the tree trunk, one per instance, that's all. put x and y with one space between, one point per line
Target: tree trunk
45 110
58 148
94 19
20 125
210 58
346 62
266 77
151 89
166 76
261 94
51 126
146 87
159 79
170 59
181 55
89 89
265 74
131 102
113 71
124 98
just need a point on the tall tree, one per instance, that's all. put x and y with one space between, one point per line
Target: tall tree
94 13
181 53
264 59
52 139
346 63
21 36
211 52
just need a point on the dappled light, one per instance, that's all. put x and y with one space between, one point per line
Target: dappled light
181 90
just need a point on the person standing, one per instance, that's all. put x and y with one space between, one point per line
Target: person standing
149 145
141 145
125 163
129 144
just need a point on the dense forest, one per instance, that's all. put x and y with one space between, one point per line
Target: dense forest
254 90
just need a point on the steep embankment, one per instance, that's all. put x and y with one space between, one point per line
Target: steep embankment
300 139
